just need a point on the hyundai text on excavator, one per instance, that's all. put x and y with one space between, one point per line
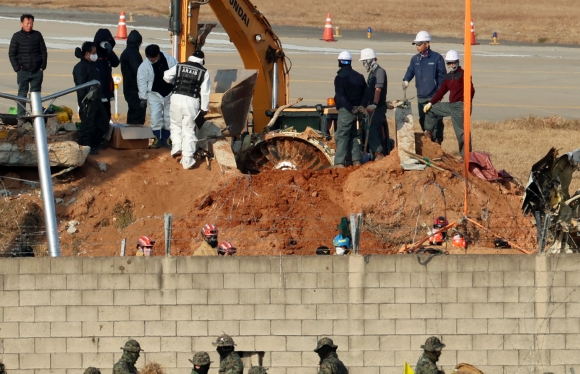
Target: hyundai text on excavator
281 137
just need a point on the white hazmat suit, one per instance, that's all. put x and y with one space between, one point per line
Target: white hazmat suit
158 105
184 110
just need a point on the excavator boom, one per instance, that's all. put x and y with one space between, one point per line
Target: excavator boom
249 31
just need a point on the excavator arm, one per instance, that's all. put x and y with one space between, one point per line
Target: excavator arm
253 37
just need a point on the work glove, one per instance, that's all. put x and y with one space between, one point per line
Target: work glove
143 103
390 105
427 107
405 85
355 110
371 108
107 46
361 109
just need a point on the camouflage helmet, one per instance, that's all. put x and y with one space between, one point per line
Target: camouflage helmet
433 344
92 370
200 359
257 370
132 346
325 341
224 341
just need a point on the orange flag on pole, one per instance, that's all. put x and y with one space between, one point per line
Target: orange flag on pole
467 100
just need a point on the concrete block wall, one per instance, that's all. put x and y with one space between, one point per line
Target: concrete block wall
504 314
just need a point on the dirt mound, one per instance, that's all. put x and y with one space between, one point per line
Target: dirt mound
294 212
278 212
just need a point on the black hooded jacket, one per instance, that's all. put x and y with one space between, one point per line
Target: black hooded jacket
106 63
27 51
83 72
130 61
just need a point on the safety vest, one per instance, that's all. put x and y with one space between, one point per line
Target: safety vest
189 78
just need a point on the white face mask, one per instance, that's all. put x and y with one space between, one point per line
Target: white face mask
94 57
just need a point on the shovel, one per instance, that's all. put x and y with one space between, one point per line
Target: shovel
366 156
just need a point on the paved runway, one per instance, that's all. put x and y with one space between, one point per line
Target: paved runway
510 81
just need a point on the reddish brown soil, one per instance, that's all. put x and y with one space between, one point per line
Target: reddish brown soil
279 212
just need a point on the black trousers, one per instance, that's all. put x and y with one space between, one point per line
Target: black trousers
28 82
135 114
94 124
107 106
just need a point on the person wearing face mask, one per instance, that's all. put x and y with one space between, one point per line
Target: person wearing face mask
428 69
453 83
427 364
190 99
209 245
126 364
130 61
230 361
155 92
94 120
329 362
375 100
201 363
105 63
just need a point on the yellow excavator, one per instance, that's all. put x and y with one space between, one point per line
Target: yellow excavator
298 137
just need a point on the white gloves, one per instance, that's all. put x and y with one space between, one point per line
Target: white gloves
405 85
371 108
427 107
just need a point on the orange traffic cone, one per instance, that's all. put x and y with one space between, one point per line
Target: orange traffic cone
473 42
121 28
327 34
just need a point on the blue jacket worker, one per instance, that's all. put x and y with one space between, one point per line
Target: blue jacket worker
349 87
428 69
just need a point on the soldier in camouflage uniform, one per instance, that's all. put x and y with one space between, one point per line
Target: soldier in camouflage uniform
126 365
329 362
230 361
257 370
427 362
92 370
200 363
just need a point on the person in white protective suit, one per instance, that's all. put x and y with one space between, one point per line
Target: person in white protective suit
155 92
190 99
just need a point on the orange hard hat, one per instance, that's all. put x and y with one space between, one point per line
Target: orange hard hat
226 249
145 241
209 230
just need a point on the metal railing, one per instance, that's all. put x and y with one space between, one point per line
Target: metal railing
43 158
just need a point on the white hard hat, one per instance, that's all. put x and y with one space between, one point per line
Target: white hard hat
345 55
422 36
452 55
367 54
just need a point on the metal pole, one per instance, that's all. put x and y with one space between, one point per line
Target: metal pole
168 228
175 41
123 247
275 86
353 232
44 173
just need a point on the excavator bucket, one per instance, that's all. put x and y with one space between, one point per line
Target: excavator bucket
230 100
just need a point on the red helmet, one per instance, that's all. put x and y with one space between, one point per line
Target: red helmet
226 249
209 230
145 241
440 222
